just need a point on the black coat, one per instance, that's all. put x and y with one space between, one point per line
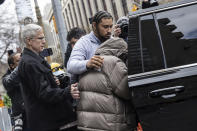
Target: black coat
67 55
11 83
48 106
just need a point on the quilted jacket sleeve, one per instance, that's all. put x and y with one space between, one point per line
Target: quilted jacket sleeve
118 75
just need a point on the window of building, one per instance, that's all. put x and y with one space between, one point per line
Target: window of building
114 9
67 18
75 15
124 5
80 16
96 5
90 9
72 20
85 15
104 5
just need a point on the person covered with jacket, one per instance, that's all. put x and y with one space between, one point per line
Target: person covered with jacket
11 83
105 101
48 106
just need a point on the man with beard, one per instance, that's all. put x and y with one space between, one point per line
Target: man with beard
82 57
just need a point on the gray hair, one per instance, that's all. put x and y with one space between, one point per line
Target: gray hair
30 31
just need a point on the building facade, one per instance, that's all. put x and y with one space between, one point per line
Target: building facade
78 12
52 34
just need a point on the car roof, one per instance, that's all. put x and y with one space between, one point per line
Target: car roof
161 7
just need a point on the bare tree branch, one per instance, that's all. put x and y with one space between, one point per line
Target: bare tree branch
5 50
8 35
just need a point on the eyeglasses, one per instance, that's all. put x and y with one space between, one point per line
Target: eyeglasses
40 38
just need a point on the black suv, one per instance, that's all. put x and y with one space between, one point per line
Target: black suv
162 65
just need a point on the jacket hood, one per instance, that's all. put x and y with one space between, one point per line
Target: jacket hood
114 46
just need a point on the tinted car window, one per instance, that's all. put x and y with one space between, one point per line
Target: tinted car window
134 52
145 52
178 28
151 46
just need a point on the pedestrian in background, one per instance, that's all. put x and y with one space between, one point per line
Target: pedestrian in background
72 37
11 83
46 104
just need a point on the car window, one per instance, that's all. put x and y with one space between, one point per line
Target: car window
144 46
178 29
134 52
151 46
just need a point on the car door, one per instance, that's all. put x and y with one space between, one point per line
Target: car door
162 65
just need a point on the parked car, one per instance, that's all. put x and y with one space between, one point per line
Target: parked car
162 66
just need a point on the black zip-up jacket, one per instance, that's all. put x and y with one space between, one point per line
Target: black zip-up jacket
11 83
48 106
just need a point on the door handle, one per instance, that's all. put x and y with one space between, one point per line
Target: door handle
166 92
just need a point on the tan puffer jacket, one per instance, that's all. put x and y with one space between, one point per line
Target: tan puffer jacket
104 95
